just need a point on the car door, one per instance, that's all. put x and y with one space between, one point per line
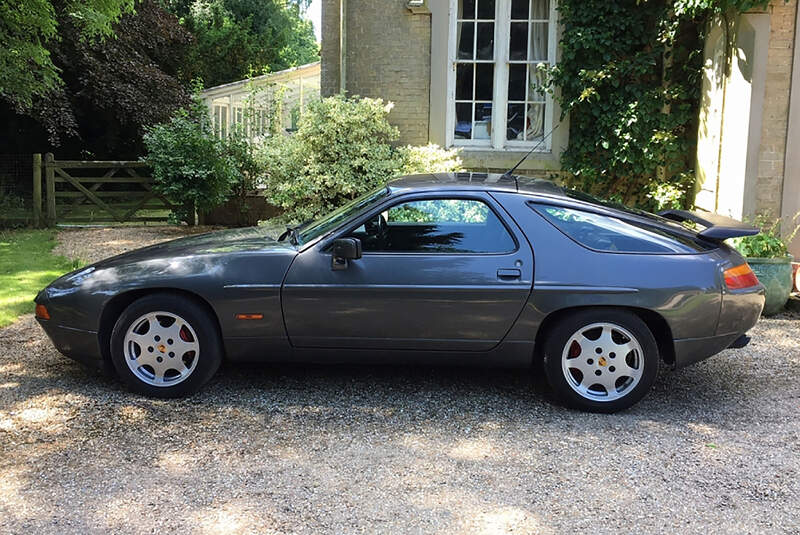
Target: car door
438 272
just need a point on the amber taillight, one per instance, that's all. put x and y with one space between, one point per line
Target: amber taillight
740 277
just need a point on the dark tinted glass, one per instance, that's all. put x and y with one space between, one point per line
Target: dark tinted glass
609 234
436 226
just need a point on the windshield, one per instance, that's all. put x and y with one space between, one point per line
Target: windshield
328 222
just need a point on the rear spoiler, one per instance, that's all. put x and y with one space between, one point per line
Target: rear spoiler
718 227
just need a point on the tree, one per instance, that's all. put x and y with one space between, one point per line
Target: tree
109 91
29 29
235 38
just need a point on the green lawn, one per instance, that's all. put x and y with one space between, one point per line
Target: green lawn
26 266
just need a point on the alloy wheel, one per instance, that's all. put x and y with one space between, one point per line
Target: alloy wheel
161 349
602 361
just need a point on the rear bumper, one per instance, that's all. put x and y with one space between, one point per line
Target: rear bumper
740 312
77 344
691 350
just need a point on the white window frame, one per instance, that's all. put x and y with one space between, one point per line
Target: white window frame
502 37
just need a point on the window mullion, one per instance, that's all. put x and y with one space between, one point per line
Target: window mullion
502 30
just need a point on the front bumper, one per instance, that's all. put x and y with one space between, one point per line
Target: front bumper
77 344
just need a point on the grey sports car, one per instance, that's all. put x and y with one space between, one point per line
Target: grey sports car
461 269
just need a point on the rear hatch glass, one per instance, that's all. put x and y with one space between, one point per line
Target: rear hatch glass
620 234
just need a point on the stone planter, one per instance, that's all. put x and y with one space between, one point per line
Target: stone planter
796 276
776 275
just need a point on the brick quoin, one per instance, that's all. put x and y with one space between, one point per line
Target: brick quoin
772 153
388 57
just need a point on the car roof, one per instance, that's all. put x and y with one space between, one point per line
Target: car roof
477 181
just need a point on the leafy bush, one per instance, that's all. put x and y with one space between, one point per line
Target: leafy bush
768 243
428 158
191 167
12 210
340 151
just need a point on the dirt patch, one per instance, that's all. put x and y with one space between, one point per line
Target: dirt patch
93 244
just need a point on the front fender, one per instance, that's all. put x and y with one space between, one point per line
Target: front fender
230 283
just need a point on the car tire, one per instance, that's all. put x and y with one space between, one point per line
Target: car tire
165 345
601 360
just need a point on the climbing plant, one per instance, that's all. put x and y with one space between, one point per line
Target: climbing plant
629 76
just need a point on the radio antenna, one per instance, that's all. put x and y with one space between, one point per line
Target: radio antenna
510 171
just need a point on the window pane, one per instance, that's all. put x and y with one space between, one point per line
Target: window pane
484 81
485 40
464 81
516 121
516 81
519 9
540 9
438 226
536 87
486 9
467 9
535 121
482 127
466 38
463 121
609 234
538 50
518 44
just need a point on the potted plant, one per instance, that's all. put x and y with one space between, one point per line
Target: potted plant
768 256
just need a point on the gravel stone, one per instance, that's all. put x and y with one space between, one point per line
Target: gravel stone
93 244
714 448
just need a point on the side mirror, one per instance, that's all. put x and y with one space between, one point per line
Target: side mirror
344 250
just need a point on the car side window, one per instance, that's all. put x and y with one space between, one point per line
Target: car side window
436 226
612 235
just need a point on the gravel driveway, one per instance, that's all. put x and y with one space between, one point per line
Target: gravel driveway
715 448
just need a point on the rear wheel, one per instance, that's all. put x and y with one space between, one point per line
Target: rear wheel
165 345
601 360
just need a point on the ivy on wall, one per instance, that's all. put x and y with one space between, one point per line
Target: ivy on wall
630 78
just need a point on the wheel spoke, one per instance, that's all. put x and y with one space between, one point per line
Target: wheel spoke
623 370
623 349
145 359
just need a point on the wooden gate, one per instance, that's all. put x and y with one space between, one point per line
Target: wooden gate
97 191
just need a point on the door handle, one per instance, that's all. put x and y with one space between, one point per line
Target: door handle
509 274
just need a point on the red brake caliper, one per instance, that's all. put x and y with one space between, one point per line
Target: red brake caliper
185 335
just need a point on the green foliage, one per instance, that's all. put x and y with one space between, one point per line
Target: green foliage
342 149
26 266
236 37
769 243
111 90
440 210
28 29
12 210
428 159
629 76
191 167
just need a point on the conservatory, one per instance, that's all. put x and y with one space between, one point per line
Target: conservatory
263 105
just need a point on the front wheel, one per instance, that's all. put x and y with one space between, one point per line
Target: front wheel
165 345
601 360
